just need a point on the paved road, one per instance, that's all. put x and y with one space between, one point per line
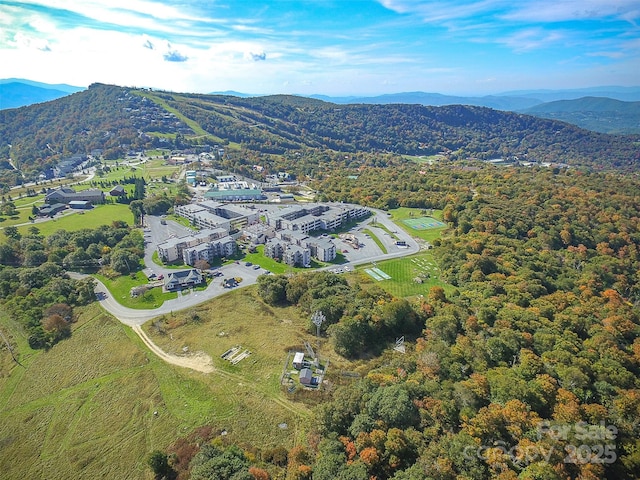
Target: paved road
132 316
249 275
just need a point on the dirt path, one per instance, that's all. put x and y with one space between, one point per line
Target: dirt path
200 362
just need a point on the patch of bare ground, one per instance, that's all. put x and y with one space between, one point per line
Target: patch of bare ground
198 361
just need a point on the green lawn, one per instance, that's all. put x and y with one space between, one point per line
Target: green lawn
424 158
404 213
97 216
404 272
120 289
152 171
267 263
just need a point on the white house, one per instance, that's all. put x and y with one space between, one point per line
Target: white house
298 360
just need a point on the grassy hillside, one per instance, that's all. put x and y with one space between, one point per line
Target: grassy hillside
85 409
98 389
77 220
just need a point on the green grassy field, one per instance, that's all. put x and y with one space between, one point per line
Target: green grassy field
85 409
153 169
267 263
120 288
405 271
97 216
424 158
403 213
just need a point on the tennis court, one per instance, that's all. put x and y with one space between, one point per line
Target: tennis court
377 274
423 223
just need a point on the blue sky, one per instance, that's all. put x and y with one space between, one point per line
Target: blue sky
342 47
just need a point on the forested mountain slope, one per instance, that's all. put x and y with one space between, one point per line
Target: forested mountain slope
599 114
540 334
114 119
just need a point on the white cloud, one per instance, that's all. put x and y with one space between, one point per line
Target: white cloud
439 11
559 11
532 39
523 11
134 15
28 42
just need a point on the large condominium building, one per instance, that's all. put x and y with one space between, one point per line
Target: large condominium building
291 254
222 247
296 256
211 214
172 250
312 217
322 249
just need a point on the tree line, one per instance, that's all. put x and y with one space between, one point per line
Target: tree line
34 285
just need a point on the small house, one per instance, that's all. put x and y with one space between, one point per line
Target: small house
50 210
298 360
80 204
183 279
117 191
306 376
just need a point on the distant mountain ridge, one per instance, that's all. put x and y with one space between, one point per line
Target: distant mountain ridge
625 94
608 117
507 103
592 104
116 120
16 92
63 87
605 115
616 111
517 100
